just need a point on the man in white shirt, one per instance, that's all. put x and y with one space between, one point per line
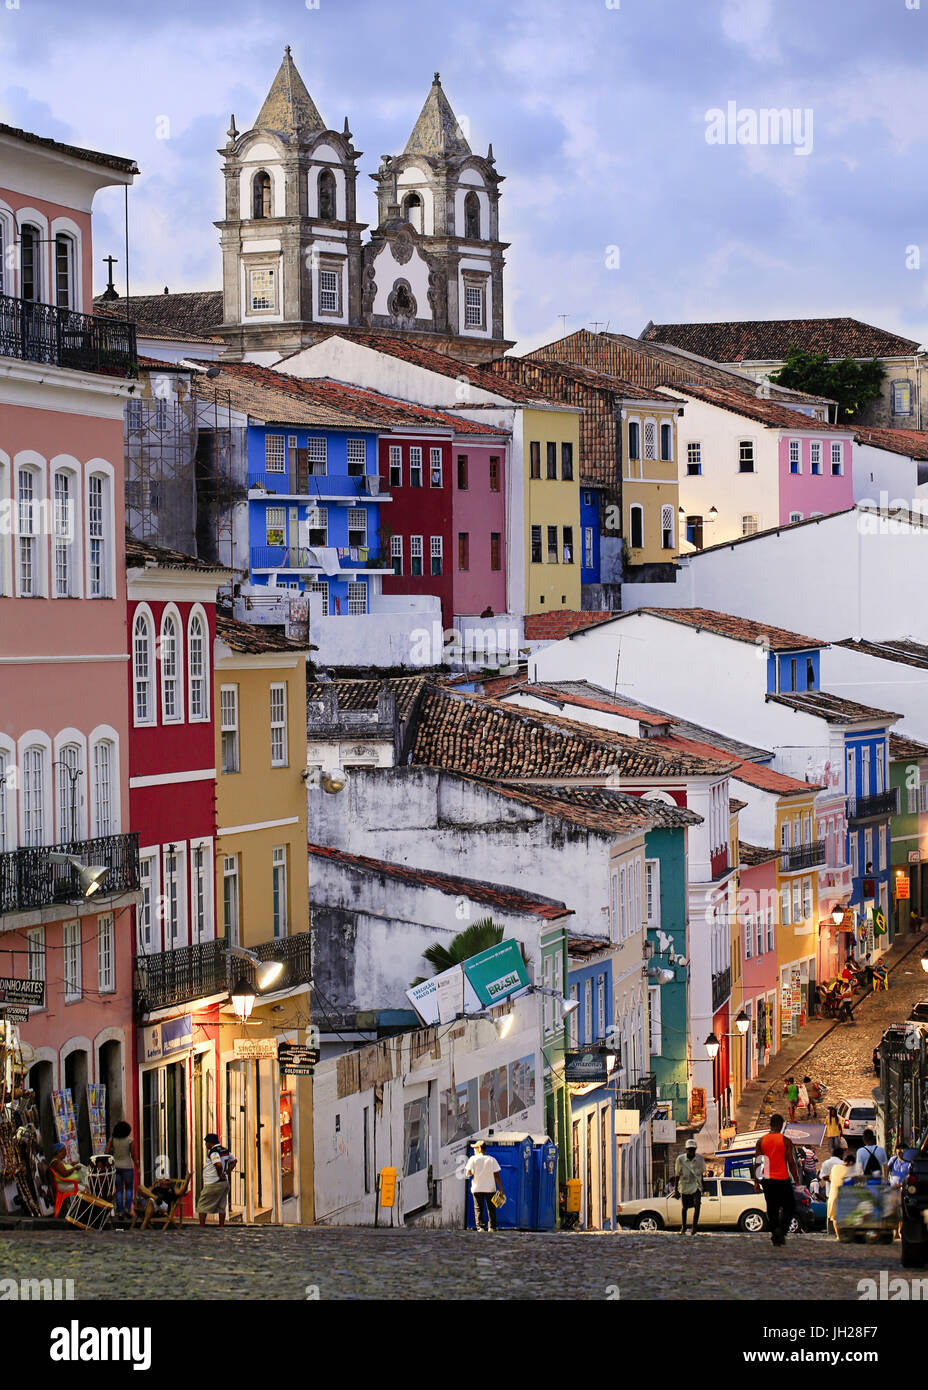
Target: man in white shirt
483 1171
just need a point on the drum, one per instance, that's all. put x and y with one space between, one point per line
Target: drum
102 1183
89 1213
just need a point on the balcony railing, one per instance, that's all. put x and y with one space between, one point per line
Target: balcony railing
802 856
721 988
28 881
169 978
63 338
869 807
299 482
641 1096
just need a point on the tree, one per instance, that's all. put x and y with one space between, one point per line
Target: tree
479 936
851 383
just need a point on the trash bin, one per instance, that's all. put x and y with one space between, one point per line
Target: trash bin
513 1153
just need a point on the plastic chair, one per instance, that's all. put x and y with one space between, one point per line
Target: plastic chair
65 1189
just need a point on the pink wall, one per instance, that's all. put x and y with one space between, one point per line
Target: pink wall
479 512
808 492
51 211
758 887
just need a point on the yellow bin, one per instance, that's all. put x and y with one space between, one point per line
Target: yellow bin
574 1189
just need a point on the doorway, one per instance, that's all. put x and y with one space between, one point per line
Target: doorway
76 1076
111 1078
41 1082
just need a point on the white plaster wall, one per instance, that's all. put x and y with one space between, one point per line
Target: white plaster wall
379 638
388 270
878 470
889 685
363 366
721 485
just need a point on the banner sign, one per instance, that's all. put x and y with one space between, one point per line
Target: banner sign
260 1049
164 1039
425 997
497 973
484 979
22 991
66 1124
582 1068
96 1105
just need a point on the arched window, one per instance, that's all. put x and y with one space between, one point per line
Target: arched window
261 194
65 576
68 770
636 518
103 801
29 568
142 661
172 689
412 210
327 195
34 796
64 271
30 248
472 217
198 685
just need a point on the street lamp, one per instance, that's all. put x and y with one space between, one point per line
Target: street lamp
267 970
89 876
73 774
837 914
243 999
712 1046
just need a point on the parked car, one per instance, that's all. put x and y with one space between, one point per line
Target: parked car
726 1202
855 1116
919 1012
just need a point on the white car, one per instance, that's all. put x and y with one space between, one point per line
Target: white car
725 1202
855 1116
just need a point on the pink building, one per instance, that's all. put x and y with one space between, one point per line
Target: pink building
479 524
64 379
816 476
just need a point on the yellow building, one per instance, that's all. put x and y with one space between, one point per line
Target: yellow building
262 891
551 453
650 491
797 886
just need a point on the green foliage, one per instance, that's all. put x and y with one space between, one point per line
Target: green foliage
479 936
852 384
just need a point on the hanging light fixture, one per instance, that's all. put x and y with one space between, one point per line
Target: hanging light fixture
243 999
837 914
267 971
742 1023
89 876
712 1046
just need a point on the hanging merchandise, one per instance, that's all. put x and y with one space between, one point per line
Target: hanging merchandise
96 1104
66 1124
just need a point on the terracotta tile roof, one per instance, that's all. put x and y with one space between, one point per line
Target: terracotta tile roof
154 364
140 553
766 340
753 855
911 443
734 805
772 413
388 409
903 749
494 741
583 946
901 649
156 332
493 895
560 622
362 694
109 161
832 708
751 773
602 808
196 312
778 639
542 372
564 700
274 399
254 639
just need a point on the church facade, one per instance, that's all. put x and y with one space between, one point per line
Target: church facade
295 265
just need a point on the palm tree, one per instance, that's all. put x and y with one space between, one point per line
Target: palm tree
479 936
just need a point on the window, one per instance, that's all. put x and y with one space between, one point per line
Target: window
71 935
623 905
760 934
435 554
35 946
415 466
636 527
795 464
748 936
794 517
357 598
650 439
275 453
30 585
171 689
568 545
600 1006
797 901
198 690
855 867
534 450
415 555
435 468
317 455
357 457
462 472
785 913
68 779
321 586
146 916
902 393
552 545
749 524
868 850
261 195
396 466
396 554
97 557
317 525
666 441
357 526
667 519
495 549
567 462
30 260
106 977
463 550
815 456
262 289
200 889
326 191
837 459
550 461
923 797
275 524
882 862
279 893
33 777
770 929
694 458
474 306
634 439
278 726
494 473
652 892
536 545
6 830
472 217
746 456
654 1020
230 897
161 415
588 547
64 522
133 414
806 899
103 799
228 725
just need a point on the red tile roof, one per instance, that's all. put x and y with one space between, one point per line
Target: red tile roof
560 622
754 774
141 553
254 639
901 649
778 639
194 312
390 410
108 161
601 808
772 413
769 340
540 372
832 708
565 701
911 443
753 855
902 748
155 364
493 895
734 805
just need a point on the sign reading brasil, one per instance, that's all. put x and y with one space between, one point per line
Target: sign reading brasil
488 978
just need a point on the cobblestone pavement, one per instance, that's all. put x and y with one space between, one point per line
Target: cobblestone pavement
290 1263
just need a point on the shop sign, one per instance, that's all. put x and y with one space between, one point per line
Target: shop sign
664 1131
915 856
497 972
627 1122
17 1015
22 991
903 887
164 1039
296 1060
257 1049
580 1068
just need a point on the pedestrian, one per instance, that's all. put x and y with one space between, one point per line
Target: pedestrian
689 1171
899 1168
871 1157
833 1130
776 1172
483 1171
122 1147
216 1172
804 1096
814 1093
837 1172
791 1091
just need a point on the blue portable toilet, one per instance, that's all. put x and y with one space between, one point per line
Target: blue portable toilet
544 1184
513 1153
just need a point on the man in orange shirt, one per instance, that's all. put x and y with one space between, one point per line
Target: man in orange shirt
775 1171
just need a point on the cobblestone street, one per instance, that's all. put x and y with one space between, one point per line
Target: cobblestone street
274 1263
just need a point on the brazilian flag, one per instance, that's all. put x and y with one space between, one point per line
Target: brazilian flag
879 921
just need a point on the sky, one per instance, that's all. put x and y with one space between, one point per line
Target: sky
619 203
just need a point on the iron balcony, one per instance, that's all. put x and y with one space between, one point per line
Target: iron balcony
28 881
38 332
872 807
802 856
170 978
641 1095
721 988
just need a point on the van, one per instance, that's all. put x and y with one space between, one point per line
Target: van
855 1116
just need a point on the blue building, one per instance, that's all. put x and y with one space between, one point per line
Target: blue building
593 1102
666 915
590 509
871 804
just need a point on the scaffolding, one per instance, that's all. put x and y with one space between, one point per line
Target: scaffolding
160 449
221 477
